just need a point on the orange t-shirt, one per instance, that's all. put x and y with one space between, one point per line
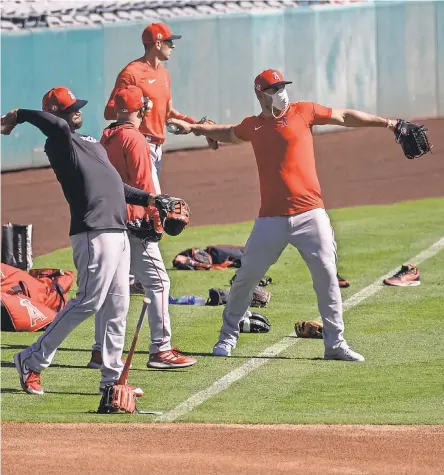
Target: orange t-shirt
155 84
129 153
285 158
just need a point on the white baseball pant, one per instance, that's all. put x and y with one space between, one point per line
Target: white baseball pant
156 159
149 269
311 234
102 261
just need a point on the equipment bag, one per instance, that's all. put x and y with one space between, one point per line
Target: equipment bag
29 304
17 245
57 283
212 257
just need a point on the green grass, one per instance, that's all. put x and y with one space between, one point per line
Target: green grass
399 331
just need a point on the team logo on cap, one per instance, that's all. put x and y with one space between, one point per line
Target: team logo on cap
159 36
71 95
276 76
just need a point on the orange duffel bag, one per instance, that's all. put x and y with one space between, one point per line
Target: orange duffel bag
29 303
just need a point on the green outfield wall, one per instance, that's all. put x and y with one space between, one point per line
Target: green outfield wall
382 57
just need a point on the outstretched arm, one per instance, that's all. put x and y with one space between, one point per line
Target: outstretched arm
50 125
218 132
354 118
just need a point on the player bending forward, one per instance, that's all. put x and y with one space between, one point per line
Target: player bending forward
129 152
292 210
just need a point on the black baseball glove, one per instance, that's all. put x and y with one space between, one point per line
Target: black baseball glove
254 323
412 138
147 230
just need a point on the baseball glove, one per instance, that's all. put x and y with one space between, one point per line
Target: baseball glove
174 213
213 144
117 398
260 297
412 138
254 323
309 329
147 230
262 283
220 297
217 297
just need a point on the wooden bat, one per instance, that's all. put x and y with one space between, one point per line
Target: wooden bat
124 376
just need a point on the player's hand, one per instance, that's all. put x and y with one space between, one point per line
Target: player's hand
391 124
178 127
8 122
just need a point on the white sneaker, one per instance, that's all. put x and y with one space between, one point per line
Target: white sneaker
222 349
342 352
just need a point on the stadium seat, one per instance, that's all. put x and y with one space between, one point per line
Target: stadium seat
64 14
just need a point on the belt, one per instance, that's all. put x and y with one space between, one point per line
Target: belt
154 140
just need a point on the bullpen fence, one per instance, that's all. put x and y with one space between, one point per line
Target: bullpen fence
382 57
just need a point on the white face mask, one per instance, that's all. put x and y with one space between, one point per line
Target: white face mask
280 99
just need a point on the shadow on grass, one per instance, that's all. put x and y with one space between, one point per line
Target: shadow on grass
17 391
256 357
9 364
22 347
64 393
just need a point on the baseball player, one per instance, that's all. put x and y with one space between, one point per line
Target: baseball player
154 79
129 152
292 210
96 196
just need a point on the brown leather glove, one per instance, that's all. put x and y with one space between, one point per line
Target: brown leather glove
308 329
117 398
174 213
213 144
260 298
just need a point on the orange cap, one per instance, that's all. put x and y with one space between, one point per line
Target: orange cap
61 99
268 78
158 32
129 99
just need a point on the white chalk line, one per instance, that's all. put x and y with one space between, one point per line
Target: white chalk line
274 350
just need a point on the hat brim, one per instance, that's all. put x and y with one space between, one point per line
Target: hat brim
173 37
277 84
76 106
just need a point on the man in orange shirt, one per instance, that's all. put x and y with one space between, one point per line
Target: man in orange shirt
129 152
154 79
292 210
